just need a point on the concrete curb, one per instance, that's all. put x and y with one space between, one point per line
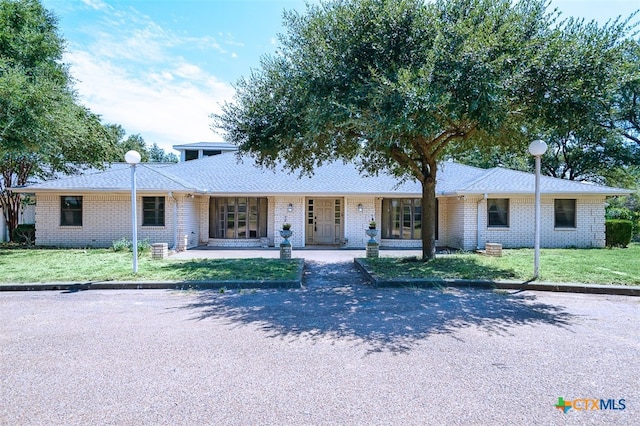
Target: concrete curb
620 290
160 285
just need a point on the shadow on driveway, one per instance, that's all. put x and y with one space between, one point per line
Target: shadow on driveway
335 302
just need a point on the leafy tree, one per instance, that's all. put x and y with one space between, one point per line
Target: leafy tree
390 84
573 83
124 143
574 78
44 131
158 155
625 106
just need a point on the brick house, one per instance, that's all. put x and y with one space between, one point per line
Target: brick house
217 200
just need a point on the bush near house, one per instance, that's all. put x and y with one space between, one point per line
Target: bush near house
618 232
123 244
626 208
25 234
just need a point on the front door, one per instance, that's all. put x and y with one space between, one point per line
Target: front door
324 221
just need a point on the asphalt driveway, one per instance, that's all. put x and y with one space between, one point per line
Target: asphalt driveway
334 352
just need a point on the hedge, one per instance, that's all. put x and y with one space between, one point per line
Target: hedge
618 232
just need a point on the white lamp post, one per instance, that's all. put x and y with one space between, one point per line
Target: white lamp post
537 148
133 157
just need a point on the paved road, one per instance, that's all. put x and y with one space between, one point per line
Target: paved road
334 352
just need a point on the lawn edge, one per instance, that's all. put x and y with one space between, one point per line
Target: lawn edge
377 282
161 285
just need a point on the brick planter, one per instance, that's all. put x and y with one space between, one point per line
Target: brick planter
493 249
285 251
373 250
159 250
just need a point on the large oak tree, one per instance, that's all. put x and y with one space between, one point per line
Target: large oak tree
388 84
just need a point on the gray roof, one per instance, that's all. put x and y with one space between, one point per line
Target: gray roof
149 177
226 174
223 146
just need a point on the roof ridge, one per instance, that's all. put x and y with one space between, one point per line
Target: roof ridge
171 177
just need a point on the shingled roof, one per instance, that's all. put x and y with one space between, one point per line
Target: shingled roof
225 174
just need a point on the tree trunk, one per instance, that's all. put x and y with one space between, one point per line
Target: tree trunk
15 173
10 204
429 216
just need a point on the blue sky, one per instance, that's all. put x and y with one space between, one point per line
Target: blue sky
161 67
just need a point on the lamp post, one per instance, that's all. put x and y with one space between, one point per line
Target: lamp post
133 157
537 148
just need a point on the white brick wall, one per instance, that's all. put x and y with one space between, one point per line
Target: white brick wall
203 219
234 243
589 231
279 214
452 233
107 217
355 222
188 219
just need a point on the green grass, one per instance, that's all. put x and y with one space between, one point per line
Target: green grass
594 266
39 265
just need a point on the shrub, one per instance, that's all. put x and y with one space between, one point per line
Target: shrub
25 234
121 245
124 244
144 246
618 232
626 208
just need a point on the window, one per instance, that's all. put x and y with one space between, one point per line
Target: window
190 154
498 213
565 213
152 211
70 211
210 152
402 218
238 217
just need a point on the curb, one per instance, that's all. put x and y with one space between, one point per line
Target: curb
160 285
618 290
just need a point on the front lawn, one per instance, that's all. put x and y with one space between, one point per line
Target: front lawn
42 265
593 266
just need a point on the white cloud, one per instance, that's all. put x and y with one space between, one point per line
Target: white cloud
130 75
163 110
95 4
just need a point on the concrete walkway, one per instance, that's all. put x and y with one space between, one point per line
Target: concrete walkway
315 254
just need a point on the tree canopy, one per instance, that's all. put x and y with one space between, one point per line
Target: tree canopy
44 130
389 84
398 85
124 143
582 84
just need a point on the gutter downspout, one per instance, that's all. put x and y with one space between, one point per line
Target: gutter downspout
175 222
484 197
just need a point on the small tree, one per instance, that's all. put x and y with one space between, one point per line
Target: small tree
391 84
